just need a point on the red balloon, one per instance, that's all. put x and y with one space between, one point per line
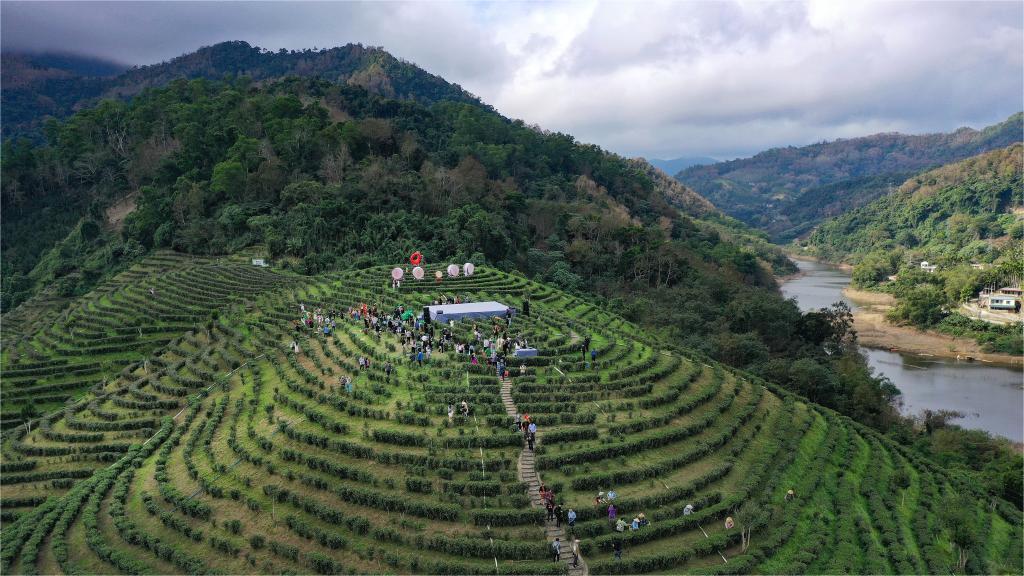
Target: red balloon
416 258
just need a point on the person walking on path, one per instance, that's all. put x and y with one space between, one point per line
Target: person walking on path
611 512
576 553
556 547
529 441
571 516
558 515
550 511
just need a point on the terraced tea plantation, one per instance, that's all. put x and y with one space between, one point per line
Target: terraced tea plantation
183 433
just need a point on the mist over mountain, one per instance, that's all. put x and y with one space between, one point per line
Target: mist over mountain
675 165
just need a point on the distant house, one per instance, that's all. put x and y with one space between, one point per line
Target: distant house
1003 302
1008 298
928 267
979 266
259 262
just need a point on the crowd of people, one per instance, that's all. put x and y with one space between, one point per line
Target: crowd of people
491 343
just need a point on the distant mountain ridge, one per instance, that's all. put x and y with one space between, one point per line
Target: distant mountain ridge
788 191
31 91
676 165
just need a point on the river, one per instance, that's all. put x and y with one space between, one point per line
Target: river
990 397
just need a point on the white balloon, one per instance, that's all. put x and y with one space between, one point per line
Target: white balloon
453 270
468 268
417 273
437 274
397 273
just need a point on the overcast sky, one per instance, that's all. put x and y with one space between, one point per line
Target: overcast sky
722 79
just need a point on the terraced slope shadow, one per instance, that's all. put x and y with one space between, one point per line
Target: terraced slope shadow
227 450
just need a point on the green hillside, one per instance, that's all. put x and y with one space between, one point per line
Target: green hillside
788 191
965 217
226 451
964 212
326 176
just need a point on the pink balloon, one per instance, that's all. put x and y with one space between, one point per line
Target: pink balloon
397 273
453 270
417 273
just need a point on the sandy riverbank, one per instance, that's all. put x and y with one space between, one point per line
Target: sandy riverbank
874 331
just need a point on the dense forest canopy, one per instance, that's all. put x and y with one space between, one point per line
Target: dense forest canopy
788 191
38 86
964 212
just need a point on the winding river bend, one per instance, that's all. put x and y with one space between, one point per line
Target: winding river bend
990 397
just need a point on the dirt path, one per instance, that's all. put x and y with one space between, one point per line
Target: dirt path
528 473
119 210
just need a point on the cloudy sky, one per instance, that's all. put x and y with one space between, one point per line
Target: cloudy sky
722 79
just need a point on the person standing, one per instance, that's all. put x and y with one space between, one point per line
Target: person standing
571 516
558 515
556 547
576 553
611 512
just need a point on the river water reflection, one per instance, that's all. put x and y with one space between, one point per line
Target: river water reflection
991 397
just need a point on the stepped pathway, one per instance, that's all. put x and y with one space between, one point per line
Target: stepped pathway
528 473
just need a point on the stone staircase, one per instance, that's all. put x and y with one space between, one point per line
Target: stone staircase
527 472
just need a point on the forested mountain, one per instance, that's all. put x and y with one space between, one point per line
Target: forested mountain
968 212
38 85
333 176
675 165
324 176
787 191
126 237
57 89
963 212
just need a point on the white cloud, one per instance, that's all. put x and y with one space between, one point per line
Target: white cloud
640 78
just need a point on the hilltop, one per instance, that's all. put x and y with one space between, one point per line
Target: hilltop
36 86
225 450
788 191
